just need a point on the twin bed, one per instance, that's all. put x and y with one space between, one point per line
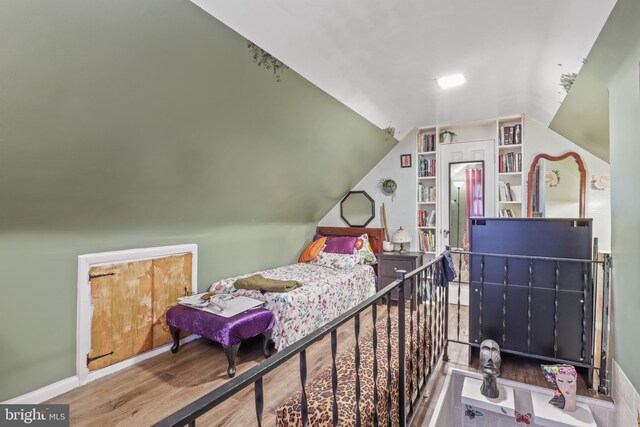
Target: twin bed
325 292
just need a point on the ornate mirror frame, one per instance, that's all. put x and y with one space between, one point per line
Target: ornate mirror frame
583 178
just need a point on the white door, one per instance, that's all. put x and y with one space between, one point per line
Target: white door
453 197
458 153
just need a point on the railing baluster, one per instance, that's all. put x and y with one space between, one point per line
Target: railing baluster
603 387
432 320
440 317
411 309
556 295
426 326
401 350
334 375
303 381
594 298
259 400
445 314
356 330
374 318
389 391
481 298
419 346
504 302
585 299
529 299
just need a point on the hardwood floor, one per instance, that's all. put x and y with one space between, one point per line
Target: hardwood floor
151 390
155 388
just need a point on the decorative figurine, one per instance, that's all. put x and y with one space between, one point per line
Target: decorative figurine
490 364
563 379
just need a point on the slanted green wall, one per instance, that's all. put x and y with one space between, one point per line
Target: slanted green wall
615 59
145 123
624 96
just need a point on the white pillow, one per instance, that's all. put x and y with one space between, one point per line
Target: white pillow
338 261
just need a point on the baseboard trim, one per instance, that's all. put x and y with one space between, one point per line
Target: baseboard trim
60 387
130 362
45 393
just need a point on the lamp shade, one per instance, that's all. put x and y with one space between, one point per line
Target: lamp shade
401 236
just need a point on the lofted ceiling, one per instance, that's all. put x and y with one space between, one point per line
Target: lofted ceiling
381 57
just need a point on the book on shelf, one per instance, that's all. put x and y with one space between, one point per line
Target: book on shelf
517 134
427 143
506 213
511 135
426 167
505 135
426 193
510 162
427 241
426 218
505 193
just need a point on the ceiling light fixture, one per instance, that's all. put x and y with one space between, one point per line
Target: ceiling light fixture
453 80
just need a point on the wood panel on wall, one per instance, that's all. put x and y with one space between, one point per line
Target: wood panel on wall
171 279
129 301
122 312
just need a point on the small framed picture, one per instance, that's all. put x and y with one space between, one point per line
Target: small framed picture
405 160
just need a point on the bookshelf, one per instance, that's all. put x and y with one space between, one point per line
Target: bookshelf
509 165
427 197
508 192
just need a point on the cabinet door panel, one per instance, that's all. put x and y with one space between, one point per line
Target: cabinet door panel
171 279
121 319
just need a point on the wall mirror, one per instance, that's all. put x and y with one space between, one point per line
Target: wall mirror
557 186
466 199
357 209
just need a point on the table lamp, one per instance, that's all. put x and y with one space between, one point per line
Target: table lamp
401 236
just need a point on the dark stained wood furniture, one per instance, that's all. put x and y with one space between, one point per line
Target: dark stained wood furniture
390 262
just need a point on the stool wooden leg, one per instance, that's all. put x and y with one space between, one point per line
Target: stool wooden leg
265 348
231 353
175 334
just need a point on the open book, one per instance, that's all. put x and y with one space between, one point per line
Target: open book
224 305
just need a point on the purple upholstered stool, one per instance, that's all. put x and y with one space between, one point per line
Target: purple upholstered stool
228 331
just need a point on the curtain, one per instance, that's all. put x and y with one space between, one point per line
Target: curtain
475 206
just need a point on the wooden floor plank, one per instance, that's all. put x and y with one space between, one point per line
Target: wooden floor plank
153 389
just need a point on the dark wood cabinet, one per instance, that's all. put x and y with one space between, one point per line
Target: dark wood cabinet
390 262
549 302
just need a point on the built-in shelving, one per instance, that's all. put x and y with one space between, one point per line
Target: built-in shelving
427 190
509 162
507 194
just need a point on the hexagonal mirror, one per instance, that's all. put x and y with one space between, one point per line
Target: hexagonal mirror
357 209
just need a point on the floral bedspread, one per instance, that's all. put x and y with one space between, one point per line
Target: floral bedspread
324 295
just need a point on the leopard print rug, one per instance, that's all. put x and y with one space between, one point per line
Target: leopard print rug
319 389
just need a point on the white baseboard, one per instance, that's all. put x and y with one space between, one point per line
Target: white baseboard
60 387
45 393
131 361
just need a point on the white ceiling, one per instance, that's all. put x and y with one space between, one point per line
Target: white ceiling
380 57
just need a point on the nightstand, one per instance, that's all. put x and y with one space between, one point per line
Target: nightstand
390 262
